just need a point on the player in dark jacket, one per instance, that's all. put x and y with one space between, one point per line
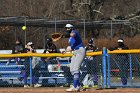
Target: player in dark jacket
29 48
18 48
50 47
91 61
123 60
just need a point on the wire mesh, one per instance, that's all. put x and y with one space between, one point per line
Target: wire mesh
124 70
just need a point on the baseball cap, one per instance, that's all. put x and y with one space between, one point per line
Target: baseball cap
30 43
69 26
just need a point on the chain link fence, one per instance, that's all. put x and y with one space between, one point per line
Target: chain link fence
125 70
48 72
55 71
110 70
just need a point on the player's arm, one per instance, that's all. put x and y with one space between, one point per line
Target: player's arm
72 43
72 34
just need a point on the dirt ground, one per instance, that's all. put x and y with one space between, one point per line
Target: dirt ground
62 90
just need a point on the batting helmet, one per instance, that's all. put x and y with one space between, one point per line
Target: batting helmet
90 42
69 26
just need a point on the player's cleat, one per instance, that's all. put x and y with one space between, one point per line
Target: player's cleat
95 86
71 85
85 86
26 86
78 87
73 89
37 85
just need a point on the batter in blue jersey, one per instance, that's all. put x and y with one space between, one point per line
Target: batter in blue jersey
78 49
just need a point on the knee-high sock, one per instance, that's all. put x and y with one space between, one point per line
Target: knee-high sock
76 80
35 80
24 77
95 77
124 80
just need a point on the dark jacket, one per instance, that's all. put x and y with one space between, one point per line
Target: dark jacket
18 49
91 48
120 47
50 48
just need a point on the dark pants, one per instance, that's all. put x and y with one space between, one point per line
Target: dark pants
26 73
68 75
91 65
35 77
124 65
17 59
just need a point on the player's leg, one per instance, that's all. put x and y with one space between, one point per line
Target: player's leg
17 59
123 69
76 61
9 60
94 71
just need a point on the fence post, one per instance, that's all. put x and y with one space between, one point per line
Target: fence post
104 61
108 72
130 62
31 76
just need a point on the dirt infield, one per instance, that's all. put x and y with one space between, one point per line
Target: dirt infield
62 90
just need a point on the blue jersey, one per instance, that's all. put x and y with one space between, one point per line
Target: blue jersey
76 41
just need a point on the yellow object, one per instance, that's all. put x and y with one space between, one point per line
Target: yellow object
85 86
95 86
67 54
23 27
